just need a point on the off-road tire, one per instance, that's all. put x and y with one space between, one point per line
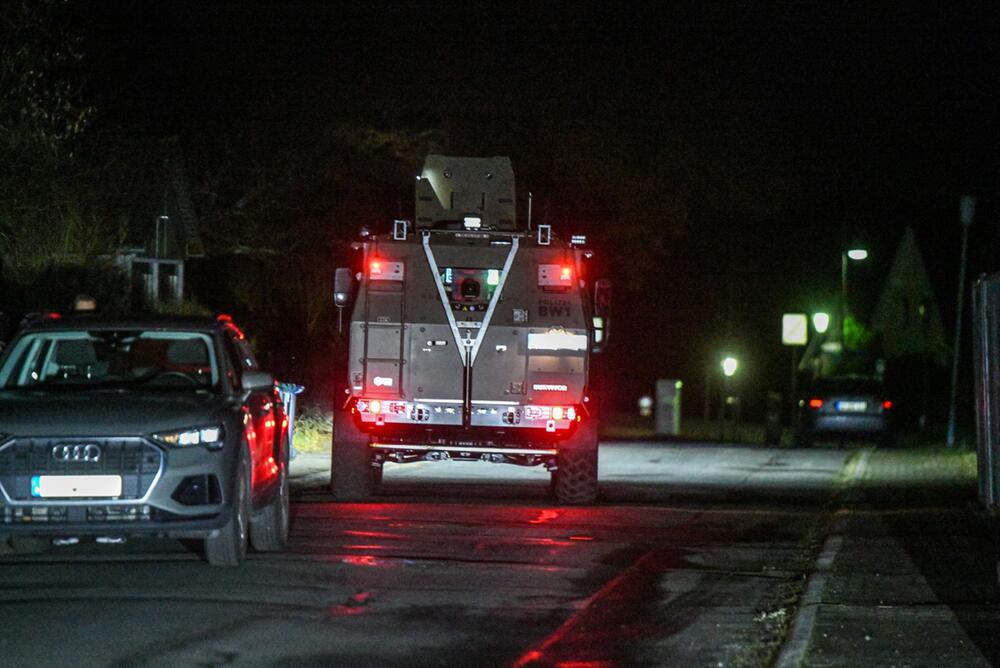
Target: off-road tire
575 479
351 476
269 527
228 546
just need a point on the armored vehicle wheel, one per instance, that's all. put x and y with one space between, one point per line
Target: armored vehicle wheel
269 528
575 479
351 475
228 546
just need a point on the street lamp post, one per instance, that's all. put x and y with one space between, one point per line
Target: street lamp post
729 365
967 211
856 254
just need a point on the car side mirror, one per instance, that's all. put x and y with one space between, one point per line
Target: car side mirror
602 314
343 286
257 381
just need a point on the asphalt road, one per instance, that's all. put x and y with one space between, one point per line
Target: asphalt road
697 555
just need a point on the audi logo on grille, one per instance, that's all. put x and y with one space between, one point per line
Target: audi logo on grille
76 452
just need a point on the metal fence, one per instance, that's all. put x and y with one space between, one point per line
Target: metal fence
986 354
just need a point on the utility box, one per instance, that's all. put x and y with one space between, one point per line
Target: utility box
986 358
668 407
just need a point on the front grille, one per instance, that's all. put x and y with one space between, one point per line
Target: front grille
74 514
135 460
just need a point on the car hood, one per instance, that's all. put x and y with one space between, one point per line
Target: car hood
107 412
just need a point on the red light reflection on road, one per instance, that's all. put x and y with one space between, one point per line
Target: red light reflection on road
362 560
355 605
364 547
581 538
370 534
545 516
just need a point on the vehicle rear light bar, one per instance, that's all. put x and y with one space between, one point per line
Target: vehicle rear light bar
551 418
815 403
463 448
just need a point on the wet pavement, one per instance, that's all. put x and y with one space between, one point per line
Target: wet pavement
700 555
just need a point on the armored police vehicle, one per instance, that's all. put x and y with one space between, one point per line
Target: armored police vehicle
470 339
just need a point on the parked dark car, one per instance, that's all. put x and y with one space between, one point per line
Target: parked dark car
846 408
156 427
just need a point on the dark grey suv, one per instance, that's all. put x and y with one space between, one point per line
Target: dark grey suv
156 426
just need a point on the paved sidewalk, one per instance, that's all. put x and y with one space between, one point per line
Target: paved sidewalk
914 581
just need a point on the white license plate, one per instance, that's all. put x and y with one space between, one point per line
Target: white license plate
852 406
75 486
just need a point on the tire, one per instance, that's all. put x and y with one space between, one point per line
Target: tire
228 545
351 476
269 528
574 481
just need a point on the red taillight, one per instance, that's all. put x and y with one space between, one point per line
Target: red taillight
376 267
815 403
565 273
224 317
887 405
375 407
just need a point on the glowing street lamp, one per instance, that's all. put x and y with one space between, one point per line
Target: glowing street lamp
856 254
729 366
821 322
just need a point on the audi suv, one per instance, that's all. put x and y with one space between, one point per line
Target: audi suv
143 427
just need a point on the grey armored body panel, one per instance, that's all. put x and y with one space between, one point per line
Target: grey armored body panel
470 329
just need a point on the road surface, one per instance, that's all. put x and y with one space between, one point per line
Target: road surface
700 555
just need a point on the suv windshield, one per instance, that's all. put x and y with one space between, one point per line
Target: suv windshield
85 359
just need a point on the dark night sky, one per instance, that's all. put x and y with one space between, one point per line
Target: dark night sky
799 126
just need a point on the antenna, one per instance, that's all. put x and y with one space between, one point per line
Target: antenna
529 210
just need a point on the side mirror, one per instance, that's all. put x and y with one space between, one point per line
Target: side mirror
602 314
343 286
257 381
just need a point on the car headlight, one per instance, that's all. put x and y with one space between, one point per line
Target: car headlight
210 437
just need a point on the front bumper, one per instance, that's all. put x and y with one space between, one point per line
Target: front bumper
175 492
849 424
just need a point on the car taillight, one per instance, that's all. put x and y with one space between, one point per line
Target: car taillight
815 403
887 405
